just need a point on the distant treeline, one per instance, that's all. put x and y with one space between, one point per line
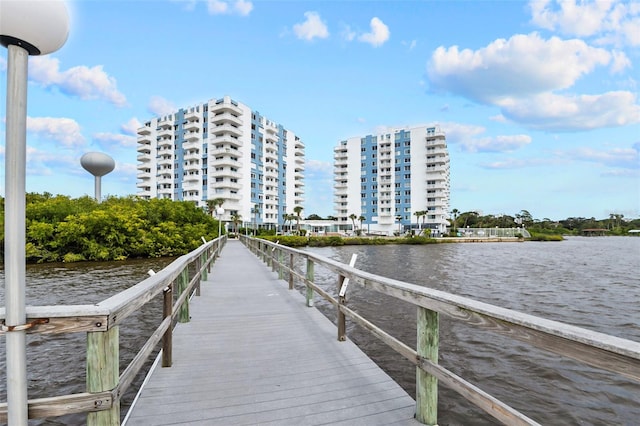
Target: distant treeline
60 228
615 224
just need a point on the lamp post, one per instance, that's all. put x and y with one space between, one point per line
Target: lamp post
26 28
219 212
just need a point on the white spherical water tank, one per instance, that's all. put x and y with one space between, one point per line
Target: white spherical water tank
98 164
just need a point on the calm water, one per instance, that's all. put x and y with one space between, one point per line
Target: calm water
588 282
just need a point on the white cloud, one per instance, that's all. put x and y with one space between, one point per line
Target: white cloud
220 7
458 133
515 163
117 139
131 127
612 21
44 163
217 7
243 7
160 106
552 112
81 81
523 75
63 130
502 143
520 66
626 158
468 138
379 33
311 28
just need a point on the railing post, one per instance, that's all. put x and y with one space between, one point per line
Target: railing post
203 261
342 327
290 271
280 262
309 278
426 384
198 263
272 259
103 371
167 338
183 282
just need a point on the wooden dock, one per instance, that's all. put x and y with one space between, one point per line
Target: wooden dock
253 353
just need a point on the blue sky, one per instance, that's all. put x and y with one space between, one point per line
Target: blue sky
539 99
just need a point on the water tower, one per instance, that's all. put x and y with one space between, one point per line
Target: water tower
98 164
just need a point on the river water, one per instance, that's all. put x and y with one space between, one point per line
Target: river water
588 282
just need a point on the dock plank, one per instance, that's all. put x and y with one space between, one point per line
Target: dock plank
253 353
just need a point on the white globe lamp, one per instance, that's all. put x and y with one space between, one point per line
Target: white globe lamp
26 28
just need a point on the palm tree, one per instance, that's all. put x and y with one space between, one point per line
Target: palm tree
289 218
255 211
353 218
455 212
361 219
236 218
297 210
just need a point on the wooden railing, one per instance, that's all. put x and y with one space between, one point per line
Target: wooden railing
104 382
599 350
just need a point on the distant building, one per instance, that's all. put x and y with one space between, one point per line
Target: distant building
223 149
385 179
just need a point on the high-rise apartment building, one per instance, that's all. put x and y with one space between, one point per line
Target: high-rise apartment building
395 181
223 149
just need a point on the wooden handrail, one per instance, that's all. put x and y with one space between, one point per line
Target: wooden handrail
98 321
596 349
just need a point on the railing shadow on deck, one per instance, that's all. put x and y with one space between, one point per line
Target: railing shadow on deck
104 382
598 350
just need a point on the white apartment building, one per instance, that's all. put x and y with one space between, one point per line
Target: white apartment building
385 179
223 149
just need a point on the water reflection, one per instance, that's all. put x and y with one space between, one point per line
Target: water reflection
585 282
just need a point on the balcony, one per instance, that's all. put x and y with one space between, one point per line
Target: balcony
165 133
225 117
225 138
145 130
144 139
192 155
225 151
191 145
191 126
164 179
192 116
271 154
166 160
144 186
165 142
225 128
165 191
225 161
144 157
192 136
226 183
191 177
270 137
192 165
144 175
221 105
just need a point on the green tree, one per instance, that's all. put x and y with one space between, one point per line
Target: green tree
298 211
454 212
353 218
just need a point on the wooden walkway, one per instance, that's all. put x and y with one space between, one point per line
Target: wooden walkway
253 354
